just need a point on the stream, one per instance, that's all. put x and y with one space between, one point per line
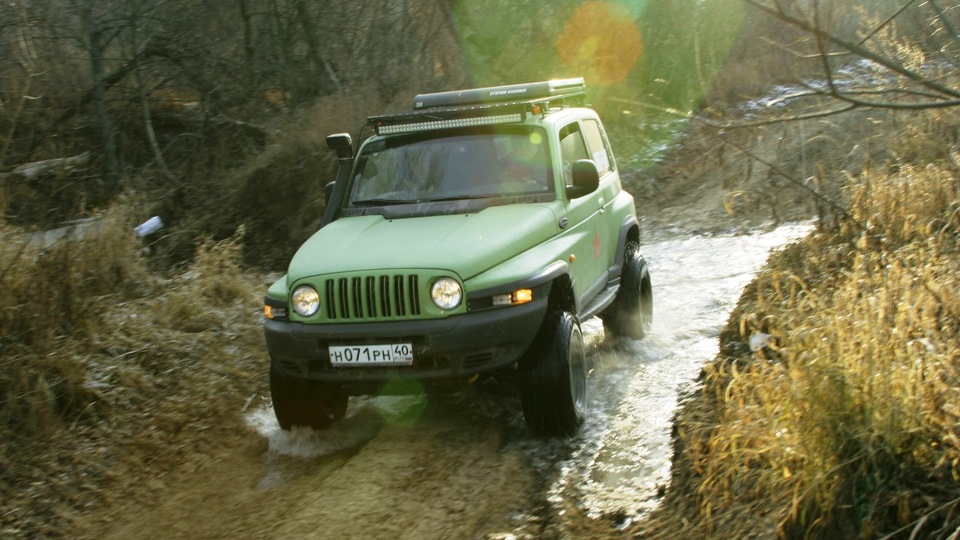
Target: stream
623 457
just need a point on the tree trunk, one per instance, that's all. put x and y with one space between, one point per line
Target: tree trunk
99 97
313 48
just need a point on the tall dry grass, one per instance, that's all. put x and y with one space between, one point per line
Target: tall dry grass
105 367
848 424
51 295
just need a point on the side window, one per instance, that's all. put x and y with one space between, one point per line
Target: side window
599 152
572 148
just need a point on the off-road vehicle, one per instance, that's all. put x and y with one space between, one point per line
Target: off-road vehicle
466 238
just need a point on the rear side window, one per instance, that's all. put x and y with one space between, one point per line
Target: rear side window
597 147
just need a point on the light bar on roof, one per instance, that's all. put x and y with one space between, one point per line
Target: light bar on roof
499 94
412 127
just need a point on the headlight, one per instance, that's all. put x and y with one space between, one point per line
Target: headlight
305 301
446 293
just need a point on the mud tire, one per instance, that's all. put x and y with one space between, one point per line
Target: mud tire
554 377
302 402
631 313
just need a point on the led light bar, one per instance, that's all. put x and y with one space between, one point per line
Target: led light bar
482 106
451 123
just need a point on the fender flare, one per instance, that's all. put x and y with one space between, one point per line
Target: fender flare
629 230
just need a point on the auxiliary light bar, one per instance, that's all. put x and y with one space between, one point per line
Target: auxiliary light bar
452 123
481 106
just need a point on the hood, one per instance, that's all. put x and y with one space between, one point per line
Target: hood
466 244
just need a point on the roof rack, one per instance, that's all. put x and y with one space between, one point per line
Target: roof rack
563 88
481 106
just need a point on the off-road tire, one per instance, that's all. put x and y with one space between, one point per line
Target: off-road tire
631 313
553 387
302 402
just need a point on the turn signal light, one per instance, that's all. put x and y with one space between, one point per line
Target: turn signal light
520 296
271 312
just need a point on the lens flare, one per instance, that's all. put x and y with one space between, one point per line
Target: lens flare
402 402
600 42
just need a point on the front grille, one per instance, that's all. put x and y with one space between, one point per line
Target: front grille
372 297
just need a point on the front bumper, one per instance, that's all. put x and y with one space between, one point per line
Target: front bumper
447 352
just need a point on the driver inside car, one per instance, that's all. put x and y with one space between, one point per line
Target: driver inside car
524 166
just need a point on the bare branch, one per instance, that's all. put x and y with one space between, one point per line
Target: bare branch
827 37
840 210
781 119
943 20
886 22
914 106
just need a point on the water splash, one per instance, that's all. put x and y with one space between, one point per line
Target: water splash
364 419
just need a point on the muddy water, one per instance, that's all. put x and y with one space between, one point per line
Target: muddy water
614 470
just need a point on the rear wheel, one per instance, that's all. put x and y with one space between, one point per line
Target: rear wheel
554 377
303 402
631 313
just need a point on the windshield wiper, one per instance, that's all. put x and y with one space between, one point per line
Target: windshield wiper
462 197
381 202
391 202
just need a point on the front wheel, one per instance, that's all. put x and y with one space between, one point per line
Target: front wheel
631 313
554 377
303 402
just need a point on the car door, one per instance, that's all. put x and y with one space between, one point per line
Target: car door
584 221
599 150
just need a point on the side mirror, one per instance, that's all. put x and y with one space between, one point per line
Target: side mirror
342 143
586 178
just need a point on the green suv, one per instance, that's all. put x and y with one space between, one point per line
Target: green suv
464 239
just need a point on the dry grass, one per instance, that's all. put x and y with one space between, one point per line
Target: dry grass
119 371
51 295
848 424
108 368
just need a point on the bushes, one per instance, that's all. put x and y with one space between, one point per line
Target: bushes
276 194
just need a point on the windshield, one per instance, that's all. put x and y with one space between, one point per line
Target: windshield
463 164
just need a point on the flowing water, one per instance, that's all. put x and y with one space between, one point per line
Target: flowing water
624 451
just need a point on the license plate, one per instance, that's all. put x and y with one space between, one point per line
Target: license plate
372 355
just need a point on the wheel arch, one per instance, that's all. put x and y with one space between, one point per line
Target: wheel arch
629 234
562 297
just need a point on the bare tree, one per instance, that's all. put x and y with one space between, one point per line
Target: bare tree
19 74
144 24
98 30
875 64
